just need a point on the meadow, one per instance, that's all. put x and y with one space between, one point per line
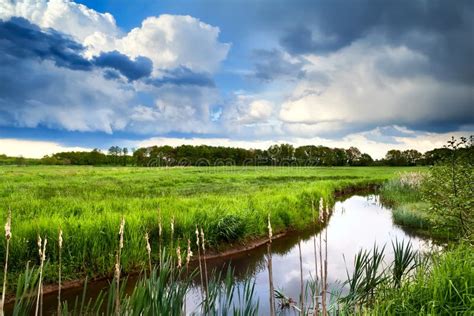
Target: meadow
87 203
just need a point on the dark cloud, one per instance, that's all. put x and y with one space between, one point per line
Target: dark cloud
443 31
132 69
21 39
272 64
183 76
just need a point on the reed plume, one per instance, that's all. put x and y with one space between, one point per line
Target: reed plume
42 256
189 254
60 247
172 232
8 236
117 266
178 254
199 259
148 250
203 244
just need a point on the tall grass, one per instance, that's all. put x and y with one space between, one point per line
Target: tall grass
88 202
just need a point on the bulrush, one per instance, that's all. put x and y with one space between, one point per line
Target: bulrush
8 236
42 256
60 247
148 249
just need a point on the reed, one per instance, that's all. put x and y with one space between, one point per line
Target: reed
42 256
8 236
270 268
160 236
316 287
198 245
404 261
203 244
148 250
301 278
60 247
117 265
321 266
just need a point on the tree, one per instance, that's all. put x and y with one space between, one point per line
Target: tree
395 158
353 156
449 189
411 157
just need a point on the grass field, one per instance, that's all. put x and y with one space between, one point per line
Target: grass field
231 205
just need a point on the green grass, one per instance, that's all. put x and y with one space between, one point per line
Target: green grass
409 210
87 202
443 286
413 215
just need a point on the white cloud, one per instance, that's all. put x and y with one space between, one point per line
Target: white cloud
260 109
65 16
170 41
371 85
60 98
33 149
247 110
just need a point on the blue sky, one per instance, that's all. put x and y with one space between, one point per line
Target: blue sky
375 74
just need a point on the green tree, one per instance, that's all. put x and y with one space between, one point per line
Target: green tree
449 189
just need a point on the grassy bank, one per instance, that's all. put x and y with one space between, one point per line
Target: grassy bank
409 210
87 203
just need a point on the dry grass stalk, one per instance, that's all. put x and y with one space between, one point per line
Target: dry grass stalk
321 221
160 237
172 233
60 247
148 249
326 257
270 270
117 266
316 286
301 278
8 236
42 256
203 244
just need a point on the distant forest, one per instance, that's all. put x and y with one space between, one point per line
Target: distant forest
276 155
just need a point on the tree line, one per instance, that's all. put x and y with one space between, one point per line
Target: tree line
202 155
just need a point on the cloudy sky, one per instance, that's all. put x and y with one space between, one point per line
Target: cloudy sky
374 74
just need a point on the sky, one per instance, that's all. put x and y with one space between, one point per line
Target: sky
373 74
